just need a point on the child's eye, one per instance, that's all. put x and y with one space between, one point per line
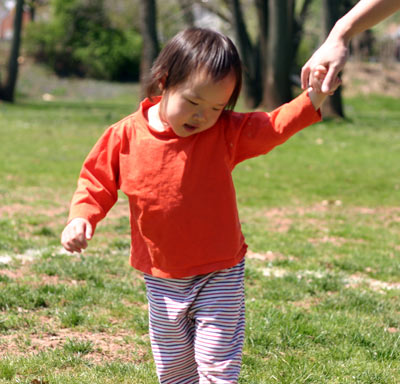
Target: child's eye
192 102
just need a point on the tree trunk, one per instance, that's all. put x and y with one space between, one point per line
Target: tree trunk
32 9
148 26
298 26
333 106
187 11
7 91
263 24
277 89
250 56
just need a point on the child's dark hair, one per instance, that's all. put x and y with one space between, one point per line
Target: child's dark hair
191 50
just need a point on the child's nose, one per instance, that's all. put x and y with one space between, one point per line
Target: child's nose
199 115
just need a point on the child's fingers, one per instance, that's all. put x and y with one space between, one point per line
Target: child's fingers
75 235
321 68
320 72
315 82
338 82
73 243
88 231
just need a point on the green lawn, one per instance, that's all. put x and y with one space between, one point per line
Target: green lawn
321 216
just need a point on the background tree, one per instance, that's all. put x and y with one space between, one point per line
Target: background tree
250 54
187 11
79 39
268 33
7 89
280 53
269 59
150 47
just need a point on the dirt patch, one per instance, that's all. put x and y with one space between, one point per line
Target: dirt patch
307 303
15 275
12 209
356 280
18 208
119 210
282 219
371 78
105 347
338 241
279 220
268 256
44 279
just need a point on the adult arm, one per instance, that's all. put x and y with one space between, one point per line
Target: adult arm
334 51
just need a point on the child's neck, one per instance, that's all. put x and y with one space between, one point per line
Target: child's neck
153 117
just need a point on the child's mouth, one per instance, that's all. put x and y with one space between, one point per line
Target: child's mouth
190 127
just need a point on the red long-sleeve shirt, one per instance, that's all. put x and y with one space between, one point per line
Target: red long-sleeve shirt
183 212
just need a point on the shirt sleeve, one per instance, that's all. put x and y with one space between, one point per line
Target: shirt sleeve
257 133
97 189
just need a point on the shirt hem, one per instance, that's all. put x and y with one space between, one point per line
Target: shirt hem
192 271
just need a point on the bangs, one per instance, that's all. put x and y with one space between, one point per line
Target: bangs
194 50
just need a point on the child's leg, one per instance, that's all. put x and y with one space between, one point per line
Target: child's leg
220 324
172 330
197 326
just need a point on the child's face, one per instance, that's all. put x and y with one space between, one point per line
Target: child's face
195 105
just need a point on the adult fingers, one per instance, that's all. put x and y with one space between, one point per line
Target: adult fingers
305 74
328 85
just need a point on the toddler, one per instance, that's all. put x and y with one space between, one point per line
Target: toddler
173 158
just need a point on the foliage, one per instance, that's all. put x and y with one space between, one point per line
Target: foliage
80 40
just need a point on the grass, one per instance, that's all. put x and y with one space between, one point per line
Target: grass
320 215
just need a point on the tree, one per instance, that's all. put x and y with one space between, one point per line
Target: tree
268 62
80 40
277 87
150 48
8 88
250 54
32 6
187 10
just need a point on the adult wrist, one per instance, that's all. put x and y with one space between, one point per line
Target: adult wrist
341 33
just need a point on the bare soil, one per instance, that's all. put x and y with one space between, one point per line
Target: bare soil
371 78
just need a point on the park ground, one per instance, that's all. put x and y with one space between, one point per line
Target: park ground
320 214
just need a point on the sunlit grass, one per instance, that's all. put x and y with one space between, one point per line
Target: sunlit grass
320 215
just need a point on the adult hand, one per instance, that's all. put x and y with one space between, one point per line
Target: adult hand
333 56
76 234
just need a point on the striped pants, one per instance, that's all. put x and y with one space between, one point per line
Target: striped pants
197 326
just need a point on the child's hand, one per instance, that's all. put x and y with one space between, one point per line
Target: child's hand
317 78
75 235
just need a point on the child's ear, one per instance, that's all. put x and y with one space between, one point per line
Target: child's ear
162 82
